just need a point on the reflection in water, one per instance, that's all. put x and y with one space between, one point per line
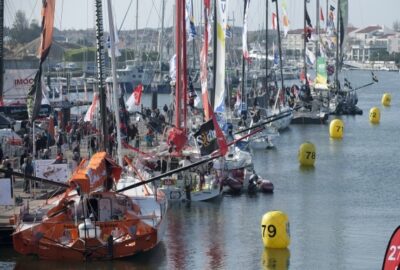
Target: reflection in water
153 259
175 234
275 259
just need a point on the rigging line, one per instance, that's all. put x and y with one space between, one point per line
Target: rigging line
62 11
33 9
126 14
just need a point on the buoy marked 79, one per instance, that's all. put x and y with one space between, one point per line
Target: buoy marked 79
271 230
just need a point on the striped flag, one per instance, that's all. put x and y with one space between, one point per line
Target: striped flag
244 34
89 116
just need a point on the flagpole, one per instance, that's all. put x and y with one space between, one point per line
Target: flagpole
305 43
212 96
337 47
280 49
1 50
317 33
266 51
115 84
243 69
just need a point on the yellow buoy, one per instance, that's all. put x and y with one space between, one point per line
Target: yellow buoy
336 129
275 230
275 259
386 99
307 154
374 115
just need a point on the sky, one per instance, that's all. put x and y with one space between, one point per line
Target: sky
79 14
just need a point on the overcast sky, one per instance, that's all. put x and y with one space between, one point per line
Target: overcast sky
79 14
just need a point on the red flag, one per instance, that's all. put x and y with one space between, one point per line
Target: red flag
137 92
321 15
223 148
273 20
392 255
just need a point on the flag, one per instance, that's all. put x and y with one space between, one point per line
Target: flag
219 65
238 99
310 57
34 97
209 138
190 27
137 93
228 32
172 68
204 62
244 34
285 18
321 15
308 20
89 116
274 21
113 32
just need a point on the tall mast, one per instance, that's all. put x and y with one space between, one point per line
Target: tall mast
193 41
212 96
317 32
137 31
100 73
279 47
266 50
115 83
243 93
337 46
184 66
181 67
1 49
162 33
305 42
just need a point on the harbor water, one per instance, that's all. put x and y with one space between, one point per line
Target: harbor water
342 212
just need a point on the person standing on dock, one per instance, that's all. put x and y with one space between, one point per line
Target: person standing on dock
27 170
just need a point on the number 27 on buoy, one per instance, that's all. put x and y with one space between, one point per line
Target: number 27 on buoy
392 255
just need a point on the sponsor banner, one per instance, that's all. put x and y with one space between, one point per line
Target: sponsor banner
17 83
56 172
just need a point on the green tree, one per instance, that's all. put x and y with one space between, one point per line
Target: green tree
21 31
19 28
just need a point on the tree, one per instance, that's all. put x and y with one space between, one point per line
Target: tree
19 27
23 32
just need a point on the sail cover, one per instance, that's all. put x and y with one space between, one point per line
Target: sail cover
344 18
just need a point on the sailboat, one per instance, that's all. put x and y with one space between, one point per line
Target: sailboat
309 109
91 221
199 184
281 106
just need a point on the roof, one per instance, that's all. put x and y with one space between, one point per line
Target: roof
296 31
369 29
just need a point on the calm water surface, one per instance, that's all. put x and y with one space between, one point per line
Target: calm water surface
342 212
